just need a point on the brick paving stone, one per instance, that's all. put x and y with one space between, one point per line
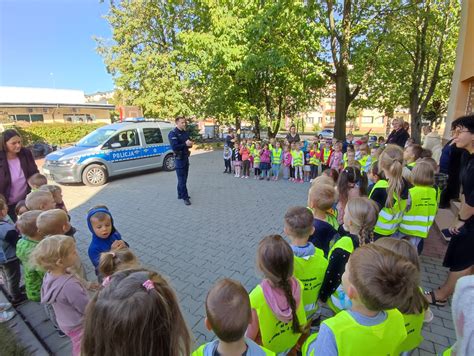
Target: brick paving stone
215 237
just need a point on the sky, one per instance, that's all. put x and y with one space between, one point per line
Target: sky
49 44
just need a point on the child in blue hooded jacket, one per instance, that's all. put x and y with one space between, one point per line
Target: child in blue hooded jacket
104 235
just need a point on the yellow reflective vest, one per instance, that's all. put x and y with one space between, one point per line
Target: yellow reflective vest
419 218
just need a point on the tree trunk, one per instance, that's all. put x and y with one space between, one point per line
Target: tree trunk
341 104
237 126
256 126
415 132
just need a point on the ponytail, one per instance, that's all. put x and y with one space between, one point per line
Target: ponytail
286 287
117 260
107 264
391 162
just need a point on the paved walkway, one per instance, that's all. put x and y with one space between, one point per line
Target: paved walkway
215 237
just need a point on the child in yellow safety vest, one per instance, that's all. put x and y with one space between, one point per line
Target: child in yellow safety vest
278 317
377 281
309 262
416 310
411 154
314 160
422 205
277 156
228 315
297 162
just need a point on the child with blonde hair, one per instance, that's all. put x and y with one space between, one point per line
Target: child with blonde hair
422 205
40 200
360 217
335 161
391 195
297 162
117 260
57 193
309 262
36 181
236 159
63 291
278 316
376 281
228 314
416 309
135 313
286 162
321 198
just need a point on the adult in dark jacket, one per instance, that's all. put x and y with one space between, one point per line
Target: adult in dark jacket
450 164
292 135
16 166
399 135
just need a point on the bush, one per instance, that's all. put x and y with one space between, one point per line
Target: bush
55 133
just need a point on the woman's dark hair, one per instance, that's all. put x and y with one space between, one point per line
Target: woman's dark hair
137 313
464 121
349 178
6 136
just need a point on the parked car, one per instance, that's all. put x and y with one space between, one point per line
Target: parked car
326 133
132 145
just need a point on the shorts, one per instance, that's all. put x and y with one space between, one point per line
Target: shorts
265 166
307 168
459 255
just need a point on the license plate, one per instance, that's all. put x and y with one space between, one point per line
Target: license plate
46 171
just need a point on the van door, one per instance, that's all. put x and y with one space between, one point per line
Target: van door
129 156
154 147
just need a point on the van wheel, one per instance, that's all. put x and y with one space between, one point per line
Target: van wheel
169 163
94 175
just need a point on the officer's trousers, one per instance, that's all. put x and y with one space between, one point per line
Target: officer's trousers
182 169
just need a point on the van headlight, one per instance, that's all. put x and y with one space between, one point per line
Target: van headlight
67 162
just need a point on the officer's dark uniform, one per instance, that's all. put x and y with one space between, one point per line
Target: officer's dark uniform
178 140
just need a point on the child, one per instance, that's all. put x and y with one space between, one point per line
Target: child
36 181
364 157
357 145
227 154
265 162
381 141
117 260
360 217
350 159
314 160
351 183
245 153
9 263
55 254
416 309
297 162
422 205
104 235
236 159
57 193
20 208
142 310
376 280
286 162
278 317
373 176
325 152
391 195
309 262
321 198
40 200
335 161
331 173
256 160
410 155
228 315
26 224
277 155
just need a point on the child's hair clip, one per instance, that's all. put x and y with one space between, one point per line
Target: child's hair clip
148 284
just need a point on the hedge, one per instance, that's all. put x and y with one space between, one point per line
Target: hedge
54 133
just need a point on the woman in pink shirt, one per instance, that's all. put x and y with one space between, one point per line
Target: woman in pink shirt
16 166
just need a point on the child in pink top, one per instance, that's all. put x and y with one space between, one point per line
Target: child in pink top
245 153
335 161
286 162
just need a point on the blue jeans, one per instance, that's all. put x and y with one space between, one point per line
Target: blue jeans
275 170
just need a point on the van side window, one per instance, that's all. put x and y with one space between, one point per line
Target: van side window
127 138
152 136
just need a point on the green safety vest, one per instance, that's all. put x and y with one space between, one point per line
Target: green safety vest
297 158
331 219
314 160
326 153
310 271
355 339
276 156
252 349
413 326
308 349
256 157
277 336
411 165
363 162
424 206
389 219
448 352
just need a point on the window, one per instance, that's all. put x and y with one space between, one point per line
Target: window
367 120
127 138
152 136
36 117
23 118
330 119
379 120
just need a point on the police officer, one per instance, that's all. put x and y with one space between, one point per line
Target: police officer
180 144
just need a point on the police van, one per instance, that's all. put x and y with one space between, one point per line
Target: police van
130 146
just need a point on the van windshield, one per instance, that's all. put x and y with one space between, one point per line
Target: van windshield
96 138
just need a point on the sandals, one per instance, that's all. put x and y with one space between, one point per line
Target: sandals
434 301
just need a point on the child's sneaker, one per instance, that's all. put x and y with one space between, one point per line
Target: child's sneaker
6 316
5 306
242 177
246 177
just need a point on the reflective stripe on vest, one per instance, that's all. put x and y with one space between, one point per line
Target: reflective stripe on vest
277 336
310 271
353 338
276 156
413 326
297 158
308 347
424 205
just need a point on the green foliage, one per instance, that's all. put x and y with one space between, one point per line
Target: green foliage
55 133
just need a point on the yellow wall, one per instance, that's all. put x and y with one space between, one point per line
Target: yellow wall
56 114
